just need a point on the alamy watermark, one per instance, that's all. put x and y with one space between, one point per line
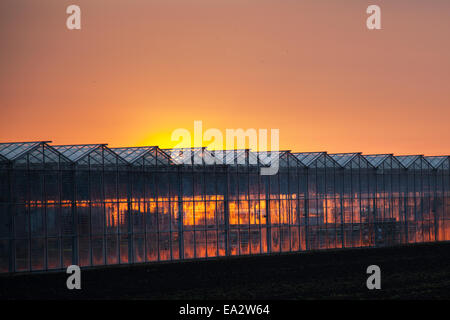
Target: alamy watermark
73 22
374 20
74 280
226 149
374 280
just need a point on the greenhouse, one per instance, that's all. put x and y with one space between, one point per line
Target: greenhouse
91 205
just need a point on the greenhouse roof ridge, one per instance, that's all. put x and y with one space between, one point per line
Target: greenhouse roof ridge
307 158
309 152
377 159
11 151
76 152
14 150
80 145
279 151
131 154
443 155
436 161
17 142
409 160
378 154
344 158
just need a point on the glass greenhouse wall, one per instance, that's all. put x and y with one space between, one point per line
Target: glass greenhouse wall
91 205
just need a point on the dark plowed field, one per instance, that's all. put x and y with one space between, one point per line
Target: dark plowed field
407 272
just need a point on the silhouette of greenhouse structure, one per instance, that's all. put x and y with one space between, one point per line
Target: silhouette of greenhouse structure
91 205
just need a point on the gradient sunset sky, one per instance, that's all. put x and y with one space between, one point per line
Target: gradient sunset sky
138 69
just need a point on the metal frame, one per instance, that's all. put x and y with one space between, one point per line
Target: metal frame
92 206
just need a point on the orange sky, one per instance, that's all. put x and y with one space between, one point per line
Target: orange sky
140 69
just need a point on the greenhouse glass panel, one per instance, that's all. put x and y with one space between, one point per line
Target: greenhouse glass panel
94 206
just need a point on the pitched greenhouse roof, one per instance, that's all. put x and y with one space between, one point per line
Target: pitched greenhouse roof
135 154
42 152
36 152
177 154
196 155
437 161
239 156
131 154
377 159
384 161
344 158
307 157
285 158
14 150
245 154
316 159
83 154
407 161
235 157
201 155
76 152
265 157
413 161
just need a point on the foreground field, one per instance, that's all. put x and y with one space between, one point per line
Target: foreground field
407 272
